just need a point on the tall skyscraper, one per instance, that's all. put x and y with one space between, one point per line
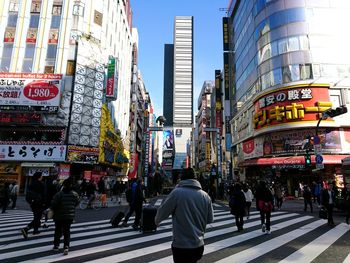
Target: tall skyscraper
168 86
183 71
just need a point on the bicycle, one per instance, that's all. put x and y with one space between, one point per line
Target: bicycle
85 202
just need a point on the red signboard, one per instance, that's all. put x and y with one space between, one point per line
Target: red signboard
218 120
288 105
19 118
248 146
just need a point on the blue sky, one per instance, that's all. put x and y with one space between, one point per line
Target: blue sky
154 20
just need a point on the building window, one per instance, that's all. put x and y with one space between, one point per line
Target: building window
70 68
12 20
51 52
6 57
49 69
98 18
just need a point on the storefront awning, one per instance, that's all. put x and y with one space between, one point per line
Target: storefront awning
292 160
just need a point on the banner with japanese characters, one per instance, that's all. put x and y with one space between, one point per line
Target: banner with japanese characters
290 105
28 152
27 89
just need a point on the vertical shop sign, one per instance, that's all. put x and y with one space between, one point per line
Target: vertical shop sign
112 78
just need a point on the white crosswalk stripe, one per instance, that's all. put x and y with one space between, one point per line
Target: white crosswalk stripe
97 242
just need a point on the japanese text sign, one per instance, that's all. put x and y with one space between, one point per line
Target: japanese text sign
27 152
30 89
290 105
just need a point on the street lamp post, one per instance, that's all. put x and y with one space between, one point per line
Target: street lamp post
161 121
218 154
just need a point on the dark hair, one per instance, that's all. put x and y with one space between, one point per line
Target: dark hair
37 175
187 173
68 183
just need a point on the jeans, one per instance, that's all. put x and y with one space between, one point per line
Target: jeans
187 255
308 202
267 216
37 213
329 208
239 221
137 208
62 226
14 200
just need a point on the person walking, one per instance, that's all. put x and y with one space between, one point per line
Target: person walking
135 204
14 194
264 200
278 195
248 194
50 191
191 209
237 204
35 198
327 200
63 206
5 196
307 194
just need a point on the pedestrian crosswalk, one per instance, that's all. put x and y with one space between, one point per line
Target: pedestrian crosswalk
294 238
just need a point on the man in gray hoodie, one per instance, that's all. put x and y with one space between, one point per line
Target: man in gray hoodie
191 209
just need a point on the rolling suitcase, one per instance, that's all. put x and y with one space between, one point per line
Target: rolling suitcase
147 219
116 218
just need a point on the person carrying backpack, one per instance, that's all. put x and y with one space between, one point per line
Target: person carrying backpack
35 197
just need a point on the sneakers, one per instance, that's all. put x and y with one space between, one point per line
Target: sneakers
65 251
45 226
55 249
24 232
263 228
268 232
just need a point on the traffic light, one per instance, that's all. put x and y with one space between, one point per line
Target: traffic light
307 159
335 112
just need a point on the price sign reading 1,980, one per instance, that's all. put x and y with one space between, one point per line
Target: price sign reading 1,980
22 89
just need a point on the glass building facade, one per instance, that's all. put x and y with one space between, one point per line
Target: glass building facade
289 61
278 42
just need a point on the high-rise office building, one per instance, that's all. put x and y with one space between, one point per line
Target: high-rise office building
183 71
168 86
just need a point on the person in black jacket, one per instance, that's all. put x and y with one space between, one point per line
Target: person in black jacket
237 204
327 200
135 204
35 197
264 203
63 206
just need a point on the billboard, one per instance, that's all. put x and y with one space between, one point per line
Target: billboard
32 152
168 140
290 105
27 89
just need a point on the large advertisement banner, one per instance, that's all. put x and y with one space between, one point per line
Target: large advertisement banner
290 105
28 152
291 142
168 140
30 89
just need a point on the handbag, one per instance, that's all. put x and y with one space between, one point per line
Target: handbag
322 213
